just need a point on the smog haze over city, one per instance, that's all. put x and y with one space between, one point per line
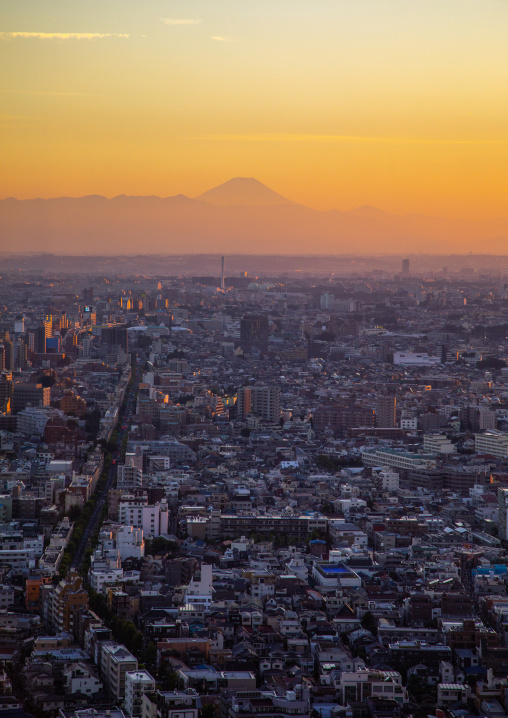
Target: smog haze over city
253 359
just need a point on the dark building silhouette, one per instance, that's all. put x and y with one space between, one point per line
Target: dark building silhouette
254 333
386 411
115 337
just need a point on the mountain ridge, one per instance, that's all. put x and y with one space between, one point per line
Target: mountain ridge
266 222
244 192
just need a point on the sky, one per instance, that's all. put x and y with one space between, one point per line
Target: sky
399 104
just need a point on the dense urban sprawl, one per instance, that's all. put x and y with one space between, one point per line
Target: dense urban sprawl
267 497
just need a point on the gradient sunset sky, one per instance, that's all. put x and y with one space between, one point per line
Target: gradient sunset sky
400 104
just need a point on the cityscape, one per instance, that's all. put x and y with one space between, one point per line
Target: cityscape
231 494
253 359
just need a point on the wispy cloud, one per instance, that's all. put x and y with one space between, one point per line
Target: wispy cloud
59 35
281 137
172 21
46 92
219 38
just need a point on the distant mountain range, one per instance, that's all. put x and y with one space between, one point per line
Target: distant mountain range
241 216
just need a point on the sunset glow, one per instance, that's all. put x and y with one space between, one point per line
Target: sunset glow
332 103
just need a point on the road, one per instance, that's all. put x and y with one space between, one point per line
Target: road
124 419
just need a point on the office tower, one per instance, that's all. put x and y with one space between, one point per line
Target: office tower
222 274
115 336
19 324
48 325
24 395
8 355
254 333
39 339
6 386
88 295
2 357
53 345
405 268
86 346
263 401
386 411
19 353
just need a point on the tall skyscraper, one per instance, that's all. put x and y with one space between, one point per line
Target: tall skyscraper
405 268
222 274
386 411
88 295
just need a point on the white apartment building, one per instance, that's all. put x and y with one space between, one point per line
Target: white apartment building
129 477
415 359
152 519
492 442
389 480
128 540
438 444
199 591
32 420
116 662
137 683
396 459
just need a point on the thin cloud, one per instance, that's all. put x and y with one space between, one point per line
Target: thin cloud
348 138
219 38
59 35
173 21
47 92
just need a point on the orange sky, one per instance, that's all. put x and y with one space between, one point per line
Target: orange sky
401 104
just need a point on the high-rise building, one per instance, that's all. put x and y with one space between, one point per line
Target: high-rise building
137 683
502 503
19 353
116 662
9 355
115 337
6 388
38 339
327 300
386 411
254 333
263 401
88 295
405 268
24 395
19 324
48 326
64 603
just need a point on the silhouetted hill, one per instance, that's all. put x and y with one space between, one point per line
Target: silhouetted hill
243 191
